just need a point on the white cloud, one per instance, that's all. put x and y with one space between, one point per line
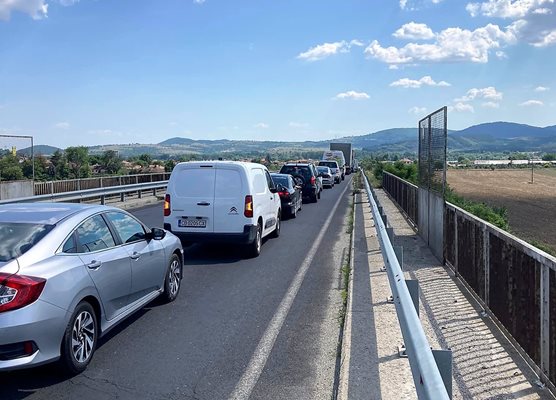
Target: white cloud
198 1
451 45
298 124
352 94
505 8
534 20
417 110
68 2
414 30
262 125
416 84
489 93
403 3
461 107
36 9
501 55
324 50
491 104
62 125
541 89
529 103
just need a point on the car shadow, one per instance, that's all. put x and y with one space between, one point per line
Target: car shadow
19 384
215 253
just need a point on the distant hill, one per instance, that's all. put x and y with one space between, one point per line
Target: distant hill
491 137
42 149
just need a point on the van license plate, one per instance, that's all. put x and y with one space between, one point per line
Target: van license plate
192 223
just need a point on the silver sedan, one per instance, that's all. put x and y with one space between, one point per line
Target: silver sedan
71 272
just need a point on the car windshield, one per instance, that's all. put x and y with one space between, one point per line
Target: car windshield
18 238
282 180
323 170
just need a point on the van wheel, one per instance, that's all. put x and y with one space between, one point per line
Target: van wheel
276 231
254 248
80 339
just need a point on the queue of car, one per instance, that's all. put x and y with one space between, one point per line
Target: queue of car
69 273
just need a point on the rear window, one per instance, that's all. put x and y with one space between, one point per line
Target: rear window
329 164
228 184
18 238
194 182
282 180
294 170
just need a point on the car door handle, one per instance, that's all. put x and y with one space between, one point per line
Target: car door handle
94 265
135 255
203 203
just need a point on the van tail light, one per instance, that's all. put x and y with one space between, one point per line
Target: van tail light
313 180
248 212
17 291
167 209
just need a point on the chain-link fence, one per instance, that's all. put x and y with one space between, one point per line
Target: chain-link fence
433 136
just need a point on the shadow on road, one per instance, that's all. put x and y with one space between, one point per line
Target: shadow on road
215 253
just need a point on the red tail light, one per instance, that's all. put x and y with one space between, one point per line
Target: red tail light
313 180
167 209
248 206
284 194
17 291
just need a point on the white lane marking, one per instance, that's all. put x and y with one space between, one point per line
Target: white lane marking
250 377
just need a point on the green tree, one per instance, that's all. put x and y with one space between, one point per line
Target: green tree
111 161
78 161
169 165
58 166
10 170
41 168
549 157
146 158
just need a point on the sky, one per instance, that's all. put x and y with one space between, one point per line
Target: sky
87 72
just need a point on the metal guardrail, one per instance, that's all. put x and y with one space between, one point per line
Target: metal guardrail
428 380
101 193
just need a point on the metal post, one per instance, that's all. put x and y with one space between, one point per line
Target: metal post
545 320
443 360
413 287
456 243
33 158
486 262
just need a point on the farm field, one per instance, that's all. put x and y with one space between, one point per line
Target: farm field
531 207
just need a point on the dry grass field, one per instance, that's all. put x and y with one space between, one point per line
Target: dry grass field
531 207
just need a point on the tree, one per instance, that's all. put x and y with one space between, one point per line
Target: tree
549 157
59 166
41 168
169 165
146 158
78 161
10 170
111 161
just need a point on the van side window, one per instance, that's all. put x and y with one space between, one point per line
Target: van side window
269 180
259 181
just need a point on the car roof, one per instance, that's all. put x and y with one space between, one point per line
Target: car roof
297 164
279 175
44 213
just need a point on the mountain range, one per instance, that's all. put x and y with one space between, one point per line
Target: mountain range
487 137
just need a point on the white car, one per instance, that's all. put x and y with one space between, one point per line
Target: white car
222 201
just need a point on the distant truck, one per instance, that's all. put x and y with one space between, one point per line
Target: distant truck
348 154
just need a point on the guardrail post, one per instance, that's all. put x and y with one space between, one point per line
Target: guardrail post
103 200
101 182
456 243
413 287
139 194
443 360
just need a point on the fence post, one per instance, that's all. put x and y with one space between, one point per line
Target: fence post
545 321
486 262
456 243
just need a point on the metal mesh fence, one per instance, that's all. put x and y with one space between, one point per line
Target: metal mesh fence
433 135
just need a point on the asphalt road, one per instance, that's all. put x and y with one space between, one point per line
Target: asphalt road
215 337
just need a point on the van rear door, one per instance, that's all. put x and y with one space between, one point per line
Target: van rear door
229 199
192 198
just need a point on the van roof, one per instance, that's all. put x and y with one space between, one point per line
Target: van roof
217 163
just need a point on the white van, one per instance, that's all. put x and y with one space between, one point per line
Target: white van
338 156
222 201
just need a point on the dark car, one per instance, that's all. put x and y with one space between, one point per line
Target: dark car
290 194
306 176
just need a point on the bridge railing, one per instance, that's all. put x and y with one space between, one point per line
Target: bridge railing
70 185
513 280
404 193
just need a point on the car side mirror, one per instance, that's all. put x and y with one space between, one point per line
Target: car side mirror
156 234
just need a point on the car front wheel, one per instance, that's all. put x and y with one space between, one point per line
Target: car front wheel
172 283
80 339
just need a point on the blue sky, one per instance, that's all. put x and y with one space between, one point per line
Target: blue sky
91 72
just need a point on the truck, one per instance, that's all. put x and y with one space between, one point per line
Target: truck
348 154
